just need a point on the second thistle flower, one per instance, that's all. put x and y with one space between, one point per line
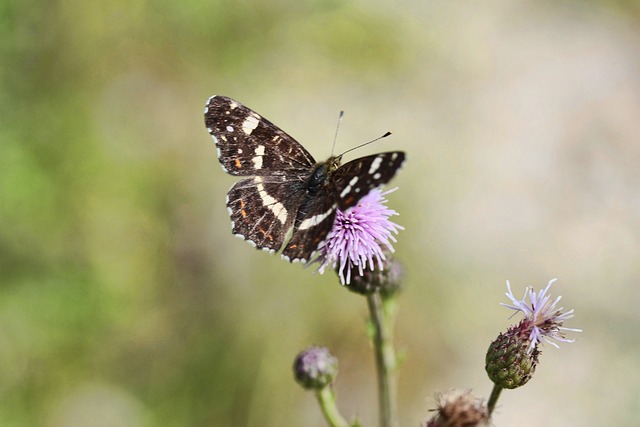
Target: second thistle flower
512 358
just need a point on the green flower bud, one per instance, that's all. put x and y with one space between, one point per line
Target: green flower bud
510 363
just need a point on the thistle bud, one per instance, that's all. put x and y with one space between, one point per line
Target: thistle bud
387 280
315 368
510 363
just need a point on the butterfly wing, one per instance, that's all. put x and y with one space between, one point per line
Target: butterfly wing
258 216
355 179
343 188
262 208
249 144
313 222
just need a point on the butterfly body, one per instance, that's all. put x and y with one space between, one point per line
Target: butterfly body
285 188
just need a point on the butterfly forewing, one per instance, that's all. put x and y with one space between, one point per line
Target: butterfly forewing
355 179
251 145
287 188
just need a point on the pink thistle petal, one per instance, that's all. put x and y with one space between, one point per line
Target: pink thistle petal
359 237
543 319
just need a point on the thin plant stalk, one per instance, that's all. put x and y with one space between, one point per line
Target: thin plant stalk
382 322
493 399
327 400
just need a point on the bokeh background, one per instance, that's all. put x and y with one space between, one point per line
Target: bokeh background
124 299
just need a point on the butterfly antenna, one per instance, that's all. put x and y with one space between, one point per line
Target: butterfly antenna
366 143
335 137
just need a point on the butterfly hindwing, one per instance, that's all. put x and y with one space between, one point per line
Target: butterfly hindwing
313 222
259 213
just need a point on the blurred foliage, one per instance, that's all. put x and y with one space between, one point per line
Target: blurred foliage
124 301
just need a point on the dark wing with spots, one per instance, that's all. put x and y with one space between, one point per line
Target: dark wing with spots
355 179
250 145
313 223
262 208
262 212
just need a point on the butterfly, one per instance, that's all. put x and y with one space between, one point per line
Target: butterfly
286 192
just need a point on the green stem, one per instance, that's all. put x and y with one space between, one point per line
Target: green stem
385 360
327 400
493 399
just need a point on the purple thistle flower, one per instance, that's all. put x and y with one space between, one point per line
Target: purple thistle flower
542 317
359 237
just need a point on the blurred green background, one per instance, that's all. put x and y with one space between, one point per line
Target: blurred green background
124 299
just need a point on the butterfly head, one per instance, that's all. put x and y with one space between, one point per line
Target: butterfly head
320 173
334 163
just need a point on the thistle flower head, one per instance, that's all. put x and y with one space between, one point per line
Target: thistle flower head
359 237
542 319
512 358
315 368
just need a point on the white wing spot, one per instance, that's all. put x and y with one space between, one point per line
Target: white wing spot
233 105
375 165
272 204
230 129
376 176
315 220
250 123
348 187
257 160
